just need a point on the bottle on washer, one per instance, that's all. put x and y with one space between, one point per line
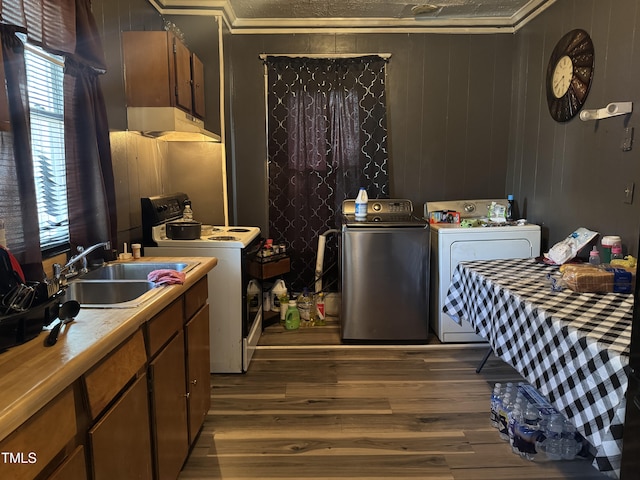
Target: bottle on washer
361 204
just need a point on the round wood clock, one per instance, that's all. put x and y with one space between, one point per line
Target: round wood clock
569 75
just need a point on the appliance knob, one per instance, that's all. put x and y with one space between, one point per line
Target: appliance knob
377 207
469 207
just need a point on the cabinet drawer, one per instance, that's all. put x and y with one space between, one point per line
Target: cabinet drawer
163 326
270 269
110 376
195 298
41 438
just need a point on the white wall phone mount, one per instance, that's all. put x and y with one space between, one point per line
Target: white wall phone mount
611 110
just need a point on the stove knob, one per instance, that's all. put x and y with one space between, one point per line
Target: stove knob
376 207
469 207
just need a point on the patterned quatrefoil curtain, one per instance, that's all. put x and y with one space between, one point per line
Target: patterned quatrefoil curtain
327 136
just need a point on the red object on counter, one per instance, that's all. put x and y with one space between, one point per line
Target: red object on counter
14 264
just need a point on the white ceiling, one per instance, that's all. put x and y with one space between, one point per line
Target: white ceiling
386 15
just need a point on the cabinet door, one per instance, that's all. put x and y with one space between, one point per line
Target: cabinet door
40 440
197 69
148 68
121 441
182 58
198 376
169 408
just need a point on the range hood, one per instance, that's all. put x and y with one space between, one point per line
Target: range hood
169 124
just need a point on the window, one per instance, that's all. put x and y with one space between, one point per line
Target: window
45 74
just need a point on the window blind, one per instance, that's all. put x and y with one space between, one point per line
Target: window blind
46 103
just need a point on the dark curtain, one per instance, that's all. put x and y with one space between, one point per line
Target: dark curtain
327 137
90 181
18 205
63 27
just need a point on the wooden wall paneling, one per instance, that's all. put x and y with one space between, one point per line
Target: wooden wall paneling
435 84
401 119
481 167
248 119
573 174
411 180
455 172
501 118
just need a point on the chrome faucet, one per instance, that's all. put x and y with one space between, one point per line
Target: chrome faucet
68 270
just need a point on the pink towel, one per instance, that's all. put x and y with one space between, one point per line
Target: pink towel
166 277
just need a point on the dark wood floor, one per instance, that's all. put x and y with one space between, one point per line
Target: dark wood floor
309 408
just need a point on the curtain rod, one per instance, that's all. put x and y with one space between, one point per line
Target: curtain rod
263 56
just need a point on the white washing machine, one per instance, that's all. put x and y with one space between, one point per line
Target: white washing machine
452 244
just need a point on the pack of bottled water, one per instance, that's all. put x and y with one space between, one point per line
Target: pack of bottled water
532 426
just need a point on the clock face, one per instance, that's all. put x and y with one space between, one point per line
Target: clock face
562 76
569 75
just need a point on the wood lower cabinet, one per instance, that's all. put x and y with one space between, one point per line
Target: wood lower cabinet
198 376
169 408
133 415
179 381
35 445
120 440
73 468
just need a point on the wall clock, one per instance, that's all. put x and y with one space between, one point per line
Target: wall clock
569 75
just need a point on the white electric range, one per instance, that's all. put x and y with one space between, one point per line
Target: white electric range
235 325
452 244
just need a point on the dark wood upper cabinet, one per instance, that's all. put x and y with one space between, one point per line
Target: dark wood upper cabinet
160 71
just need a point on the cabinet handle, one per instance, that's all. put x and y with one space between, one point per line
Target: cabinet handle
194 382
186 395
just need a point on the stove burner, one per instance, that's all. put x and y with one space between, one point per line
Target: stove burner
217 229
239 230
224 238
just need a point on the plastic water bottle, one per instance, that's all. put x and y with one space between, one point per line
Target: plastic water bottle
292 318
509 207
594 256
506 407
495 399
515 420
552 445
528 433
361 204
305 308
569 445
187 213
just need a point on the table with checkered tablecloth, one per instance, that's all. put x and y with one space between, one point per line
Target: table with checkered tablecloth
573 347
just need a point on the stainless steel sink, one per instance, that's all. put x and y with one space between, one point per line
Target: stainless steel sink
110 293
135 270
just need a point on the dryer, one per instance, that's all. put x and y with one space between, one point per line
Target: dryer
452 243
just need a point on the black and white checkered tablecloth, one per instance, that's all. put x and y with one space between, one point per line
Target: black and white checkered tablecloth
574 347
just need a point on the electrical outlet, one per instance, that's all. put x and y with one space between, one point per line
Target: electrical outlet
628 192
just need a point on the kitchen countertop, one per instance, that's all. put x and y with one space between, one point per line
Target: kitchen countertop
32 374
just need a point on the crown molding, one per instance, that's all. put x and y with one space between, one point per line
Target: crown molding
249 26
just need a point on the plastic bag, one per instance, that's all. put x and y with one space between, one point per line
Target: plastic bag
568 248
